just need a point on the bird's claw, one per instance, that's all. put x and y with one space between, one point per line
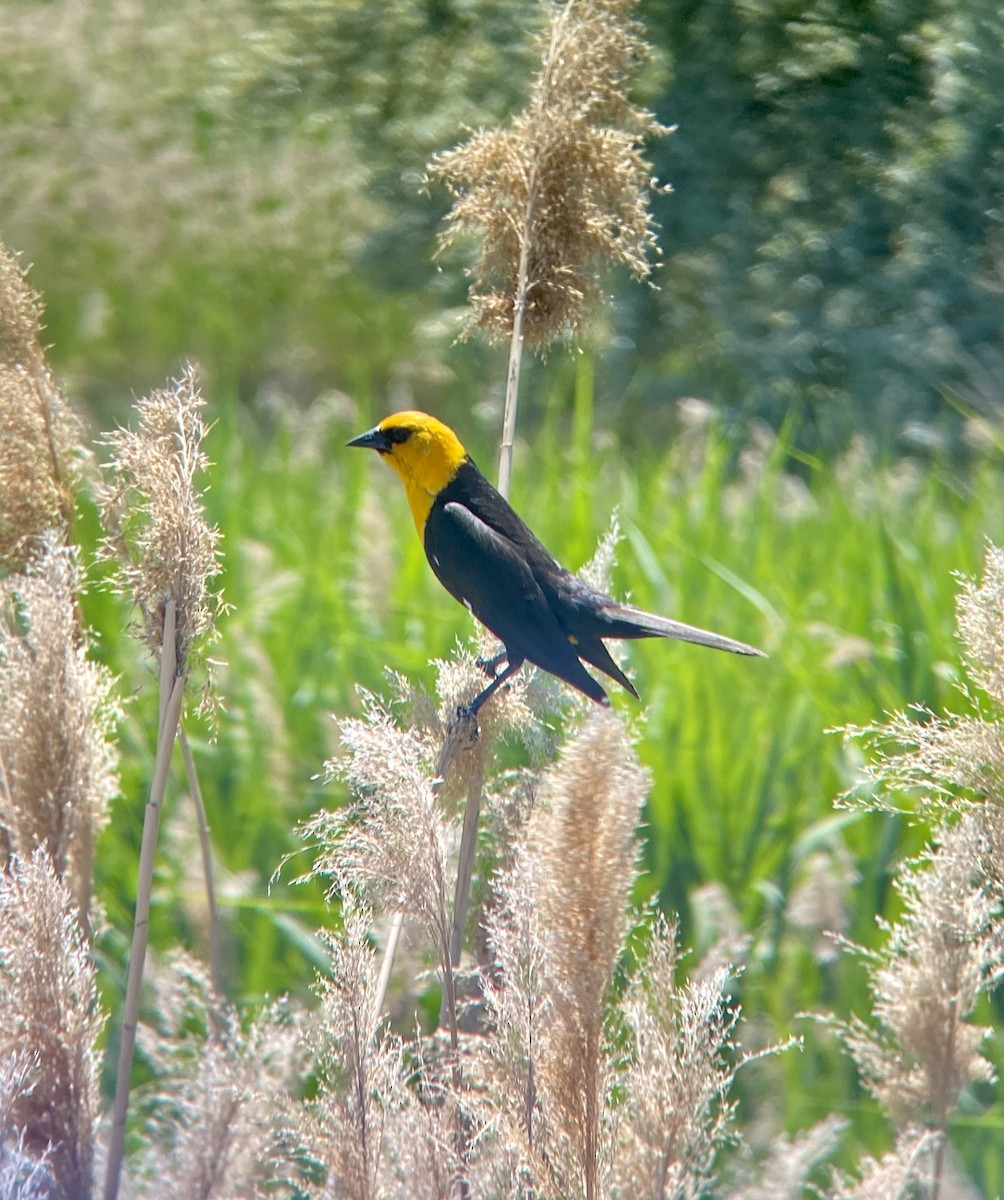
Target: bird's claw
467 715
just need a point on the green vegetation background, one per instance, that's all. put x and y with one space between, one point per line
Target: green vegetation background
240 184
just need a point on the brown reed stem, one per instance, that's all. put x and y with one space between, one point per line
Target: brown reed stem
516 341
205 846
172 687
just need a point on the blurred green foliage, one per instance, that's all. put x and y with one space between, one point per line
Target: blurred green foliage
836 229
243 183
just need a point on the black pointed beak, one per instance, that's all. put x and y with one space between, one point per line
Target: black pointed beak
372 439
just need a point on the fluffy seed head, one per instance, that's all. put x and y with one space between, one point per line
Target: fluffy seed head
154 516
50 1015
563 188
38 433
57 758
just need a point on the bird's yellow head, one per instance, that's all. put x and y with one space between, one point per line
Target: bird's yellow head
424 452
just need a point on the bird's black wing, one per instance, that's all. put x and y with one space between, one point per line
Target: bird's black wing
470 488
489 573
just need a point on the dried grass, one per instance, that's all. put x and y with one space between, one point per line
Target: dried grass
49 1025
39 435
560 193
154 517
682 1063
58 762
218 1113
940 956
922 1049
359 1067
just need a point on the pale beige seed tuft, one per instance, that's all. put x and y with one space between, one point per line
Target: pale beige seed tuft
38 433
221 1110
564 187
58 768
582 837
153 511
50 1016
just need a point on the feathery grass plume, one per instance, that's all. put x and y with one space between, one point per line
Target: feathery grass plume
560 192
786 1172
719 937
430 1161
361 1079
157 532
955 759
387 1119
50 1014
516 1007
943 953
905 1171
980 620
556 935
38 433
682 1060
392 844
404 778
218 1110
818 904
583 835
57 757
922 1050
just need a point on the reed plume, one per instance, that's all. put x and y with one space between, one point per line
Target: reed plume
922 1048
561 192
217 1112
165 551
157 535
49 1026
39 435
58 763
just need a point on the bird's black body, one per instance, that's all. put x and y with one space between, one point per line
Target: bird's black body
489 560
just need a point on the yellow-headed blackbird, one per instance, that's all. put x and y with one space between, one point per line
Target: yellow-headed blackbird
489 560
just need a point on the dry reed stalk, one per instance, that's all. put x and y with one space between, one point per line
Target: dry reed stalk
556 196
206 852
165 552
172 688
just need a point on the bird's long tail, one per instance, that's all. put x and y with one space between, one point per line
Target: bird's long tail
626 621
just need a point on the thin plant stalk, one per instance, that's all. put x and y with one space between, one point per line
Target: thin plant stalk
465 864
459 735
389 953
519 300
516 343
472 810
205 846
172 687
469 838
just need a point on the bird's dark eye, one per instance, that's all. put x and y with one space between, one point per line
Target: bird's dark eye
397 433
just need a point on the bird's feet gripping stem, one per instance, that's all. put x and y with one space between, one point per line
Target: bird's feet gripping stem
490 666
467 712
